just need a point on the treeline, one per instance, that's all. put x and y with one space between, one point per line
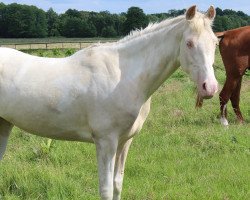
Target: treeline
23 21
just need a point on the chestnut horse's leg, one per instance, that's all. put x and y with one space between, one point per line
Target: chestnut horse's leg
235 100
225 95
5 128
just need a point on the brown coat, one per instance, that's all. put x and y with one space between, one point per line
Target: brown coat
235 52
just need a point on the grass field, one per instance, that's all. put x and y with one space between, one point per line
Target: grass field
51 43
181 153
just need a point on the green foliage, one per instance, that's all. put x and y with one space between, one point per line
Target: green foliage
105 23
73 27
69 52
136 19
53 23
229 19
51 53
22 21
43 150
109 31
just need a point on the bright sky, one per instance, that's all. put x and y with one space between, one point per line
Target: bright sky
118 6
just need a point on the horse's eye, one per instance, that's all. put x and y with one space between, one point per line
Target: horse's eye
190 44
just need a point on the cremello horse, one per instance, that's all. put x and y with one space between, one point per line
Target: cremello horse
101 94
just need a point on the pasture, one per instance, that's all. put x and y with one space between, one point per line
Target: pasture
4 41
181 153
50 43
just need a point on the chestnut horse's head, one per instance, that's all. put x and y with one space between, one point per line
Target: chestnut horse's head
198 49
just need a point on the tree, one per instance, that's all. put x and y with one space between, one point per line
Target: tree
53 23
23 21
153 18
175 13
77 27
40 23
219 12
109 31
136 19
73 27
73 13
28 21
119 23
101 20
89 30
18 20
217 25
2 25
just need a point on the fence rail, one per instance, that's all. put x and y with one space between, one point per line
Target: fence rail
51 45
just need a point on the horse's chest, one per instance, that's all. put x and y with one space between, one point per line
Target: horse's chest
129 122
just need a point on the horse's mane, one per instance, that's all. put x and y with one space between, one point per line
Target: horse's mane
198 23
152 27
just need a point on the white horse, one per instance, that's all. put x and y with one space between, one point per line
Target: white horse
102 94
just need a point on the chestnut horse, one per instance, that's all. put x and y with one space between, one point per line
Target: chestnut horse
235 52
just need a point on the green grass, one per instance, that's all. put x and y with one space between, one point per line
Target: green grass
51 53
181 153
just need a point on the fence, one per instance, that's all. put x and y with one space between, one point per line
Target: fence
52 45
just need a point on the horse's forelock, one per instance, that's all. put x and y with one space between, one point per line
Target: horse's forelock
200 22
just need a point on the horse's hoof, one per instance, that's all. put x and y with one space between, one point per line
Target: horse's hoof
224 121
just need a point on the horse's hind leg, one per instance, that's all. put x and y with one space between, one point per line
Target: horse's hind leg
225 95
5 129
235 100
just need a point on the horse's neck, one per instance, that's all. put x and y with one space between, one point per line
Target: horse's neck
148 62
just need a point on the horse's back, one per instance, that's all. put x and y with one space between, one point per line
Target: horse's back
235 49
236 38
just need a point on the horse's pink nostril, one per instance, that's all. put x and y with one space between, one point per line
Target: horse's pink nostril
204 86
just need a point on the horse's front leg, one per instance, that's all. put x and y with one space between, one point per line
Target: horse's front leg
106 148
121 155
5 129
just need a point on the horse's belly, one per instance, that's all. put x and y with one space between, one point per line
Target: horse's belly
71 124
70 135
54 130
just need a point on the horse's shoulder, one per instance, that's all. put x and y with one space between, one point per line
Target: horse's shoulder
97 59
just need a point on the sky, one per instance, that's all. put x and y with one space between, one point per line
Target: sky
118 6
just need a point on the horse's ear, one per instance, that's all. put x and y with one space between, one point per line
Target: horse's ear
211 13
191 12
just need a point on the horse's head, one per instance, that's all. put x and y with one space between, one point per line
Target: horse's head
197 51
